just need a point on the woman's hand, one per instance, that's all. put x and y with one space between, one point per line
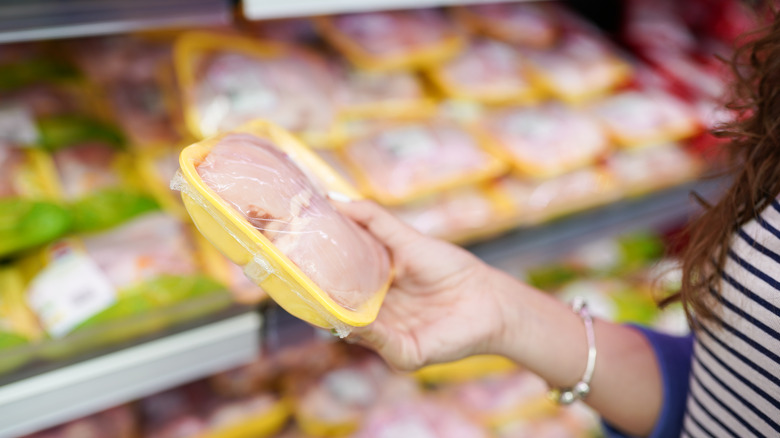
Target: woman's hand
442 305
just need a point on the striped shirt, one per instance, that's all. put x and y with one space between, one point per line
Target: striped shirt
735 370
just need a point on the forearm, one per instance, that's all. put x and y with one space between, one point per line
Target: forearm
546 337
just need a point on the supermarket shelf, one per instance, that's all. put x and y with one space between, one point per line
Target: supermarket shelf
27 20
262 9
525 247
89 386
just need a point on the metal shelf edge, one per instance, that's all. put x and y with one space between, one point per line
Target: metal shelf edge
93 385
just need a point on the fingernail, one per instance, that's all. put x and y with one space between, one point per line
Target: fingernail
339 197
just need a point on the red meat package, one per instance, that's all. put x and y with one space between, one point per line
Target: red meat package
406 161
523 23
547 140
229 80
640 118
486 71
578 67
393 39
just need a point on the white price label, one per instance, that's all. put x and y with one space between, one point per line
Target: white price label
17 127
68 291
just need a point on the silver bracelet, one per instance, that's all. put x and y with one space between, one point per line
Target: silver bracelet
580 390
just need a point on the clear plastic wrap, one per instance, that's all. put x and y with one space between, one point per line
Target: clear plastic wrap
18 326
156 280
457 215
420 417
580 66
652 168
403 162
395 94
486 71
547 140
531 202
229 80
393 39
525 24
259 196
500 398
639 118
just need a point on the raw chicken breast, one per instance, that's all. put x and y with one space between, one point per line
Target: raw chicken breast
652 167
450 214
421 418
11 159
85 168
497 395
487 67
635 118
365 87
548 140
275 196
152 245
403 160
396 32
518 23
143 112
295 91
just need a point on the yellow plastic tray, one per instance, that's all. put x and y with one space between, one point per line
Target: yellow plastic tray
470 368
434 54
267 425
242 243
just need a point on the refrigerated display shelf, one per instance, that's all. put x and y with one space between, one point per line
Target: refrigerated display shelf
29 20
526 247
264 9
72 391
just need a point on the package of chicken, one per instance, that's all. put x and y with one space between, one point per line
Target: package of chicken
392 40
531 24
545 141
19 329
391 94
399 162
580 66
486 71
639 118
260 196
228 80
529 202
647 169
86 294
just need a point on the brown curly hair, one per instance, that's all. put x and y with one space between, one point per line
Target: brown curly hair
753 151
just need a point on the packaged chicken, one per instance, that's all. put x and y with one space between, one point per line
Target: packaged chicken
394 94
470 368
524 24
640 118
392 40
229 80
498 399
487 71
100 184
174 413
296 30
407 161
107 59
531 202
259 196
87 294
420 417
652 168
578 67
258 416
547 140
457 215
336 403
117 422
18 326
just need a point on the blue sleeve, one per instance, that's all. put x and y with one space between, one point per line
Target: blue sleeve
674 361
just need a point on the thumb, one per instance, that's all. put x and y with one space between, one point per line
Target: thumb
387 228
